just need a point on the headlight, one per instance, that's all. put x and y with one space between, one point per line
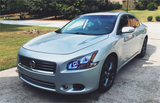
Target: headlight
83 62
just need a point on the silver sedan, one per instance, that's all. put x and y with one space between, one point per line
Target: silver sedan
84 55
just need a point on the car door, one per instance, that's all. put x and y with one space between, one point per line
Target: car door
127 40
134 22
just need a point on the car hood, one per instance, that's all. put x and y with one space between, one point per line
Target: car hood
62 43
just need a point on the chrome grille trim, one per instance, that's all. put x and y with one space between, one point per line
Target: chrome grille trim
41 66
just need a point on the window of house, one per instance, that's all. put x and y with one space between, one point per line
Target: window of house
129 5
133 5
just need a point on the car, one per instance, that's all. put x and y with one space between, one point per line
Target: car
84 55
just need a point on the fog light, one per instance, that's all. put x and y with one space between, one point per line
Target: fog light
64 86
78 86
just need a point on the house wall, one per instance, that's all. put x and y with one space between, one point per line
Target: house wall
111 1
131 4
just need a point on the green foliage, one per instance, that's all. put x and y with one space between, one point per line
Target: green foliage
146 2
103 6
150 18
139 6
70 9
155 6
42 7
115 6
91 4
96 5
157 2
125 9
152 6
157 18
12 6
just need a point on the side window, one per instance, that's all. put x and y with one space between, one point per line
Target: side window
123 22
133 22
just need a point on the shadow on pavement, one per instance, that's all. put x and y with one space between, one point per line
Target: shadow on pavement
137 62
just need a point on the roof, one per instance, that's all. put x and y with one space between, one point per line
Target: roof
104 13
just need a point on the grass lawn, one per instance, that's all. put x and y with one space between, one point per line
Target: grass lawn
143 14
12 38
10 18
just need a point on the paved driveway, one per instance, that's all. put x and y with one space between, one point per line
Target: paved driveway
137 82
35 22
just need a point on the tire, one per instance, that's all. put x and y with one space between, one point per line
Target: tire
144 48
108 74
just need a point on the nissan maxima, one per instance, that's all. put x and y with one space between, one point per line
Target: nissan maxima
84 55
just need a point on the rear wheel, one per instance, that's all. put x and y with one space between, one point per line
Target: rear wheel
107 74
144 48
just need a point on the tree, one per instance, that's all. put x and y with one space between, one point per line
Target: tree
103 5
96 5
72 8
12 6
42 7
91 4
146 2
115 6
139 6
152 6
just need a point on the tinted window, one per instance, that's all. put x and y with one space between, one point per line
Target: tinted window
123 22
133 22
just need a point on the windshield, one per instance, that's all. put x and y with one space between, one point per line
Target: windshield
90 24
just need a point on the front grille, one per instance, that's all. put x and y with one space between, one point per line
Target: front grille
38 82
40 65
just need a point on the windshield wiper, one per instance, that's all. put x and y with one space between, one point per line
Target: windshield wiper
72 33
81 33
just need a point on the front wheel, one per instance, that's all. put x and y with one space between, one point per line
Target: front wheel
107 74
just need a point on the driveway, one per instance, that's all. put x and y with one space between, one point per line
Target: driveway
137 82
35 23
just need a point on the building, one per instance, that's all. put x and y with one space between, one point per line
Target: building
131 3
113 1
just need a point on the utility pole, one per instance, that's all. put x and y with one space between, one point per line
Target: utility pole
127 5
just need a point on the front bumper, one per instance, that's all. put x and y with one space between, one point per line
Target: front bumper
55 82
62 81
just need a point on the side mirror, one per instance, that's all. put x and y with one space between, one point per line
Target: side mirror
128 29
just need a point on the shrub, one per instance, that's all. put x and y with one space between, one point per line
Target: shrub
152 6
124 9
115 6
149 18
155 6
71 8
103 6
139 6
157 18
